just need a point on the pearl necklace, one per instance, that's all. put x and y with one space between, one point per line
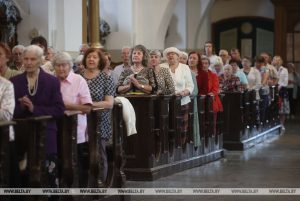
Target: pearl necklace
35 86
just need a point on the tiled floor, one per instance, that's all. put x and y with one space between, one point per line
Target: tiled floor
274 163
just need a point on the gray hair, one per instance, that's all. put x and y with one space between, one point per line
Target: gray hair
125 47
53 50
21 47
62 57
79 59
184 55
155 52
38 51
203 57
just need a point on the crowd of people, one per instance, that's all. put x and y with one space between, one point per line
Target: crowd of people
44 81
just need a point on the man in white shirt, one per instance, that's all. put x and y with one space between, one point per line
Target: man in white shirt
120 68
210 53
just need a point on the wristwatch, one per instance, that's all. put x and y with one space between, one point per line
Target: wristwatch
143 87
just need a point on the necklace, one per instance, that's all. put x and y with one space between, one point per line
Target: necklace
35 85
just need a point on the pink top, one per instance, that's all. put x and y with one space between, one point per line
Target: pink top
74 89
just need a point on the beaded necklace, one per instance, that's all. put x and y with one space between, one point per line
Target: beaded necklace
35 86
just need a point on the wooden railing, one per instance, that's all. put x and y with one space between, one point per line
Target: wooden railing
160 148
30 139
243 125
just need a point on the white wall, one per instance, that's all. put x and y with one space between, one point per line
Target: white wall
223 9
135 21
35 15
122 26
177 29
59 21
199 23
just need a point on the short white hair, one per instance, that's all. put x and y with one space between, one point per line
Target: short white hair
20 47
79 59
125 47
39 52
184 54
62 57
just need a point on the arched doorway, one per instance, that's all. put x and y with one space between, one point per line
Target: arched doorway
251 35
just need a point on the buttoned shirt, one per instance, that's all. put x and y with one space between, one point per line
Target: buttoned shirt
75 90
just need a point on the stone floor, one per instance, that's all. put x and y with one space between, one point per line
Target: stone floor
274 163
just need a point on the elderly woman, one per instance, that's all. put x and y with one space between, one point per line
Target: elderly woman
164 82
208 84
183 57
76 96
283 81
102 91
5 55
218 68
17 59
138 78
230 82
38 93
184 86
238 72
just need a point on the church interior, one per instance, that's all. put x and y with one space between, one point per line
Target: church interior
159 96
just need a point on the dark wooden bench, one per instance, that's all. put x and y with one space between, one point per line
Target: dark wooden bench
159 148
242 125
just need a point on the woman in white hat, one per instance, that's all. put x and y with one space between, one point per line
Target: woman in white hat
184 86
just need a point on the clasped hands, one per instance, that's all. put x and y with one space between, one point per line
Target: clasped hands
26 103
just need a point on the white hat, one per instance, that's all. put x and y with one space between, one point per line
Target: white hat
171 49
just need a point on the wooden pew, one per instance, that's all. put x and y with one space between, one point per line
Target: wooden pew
30 136
115 154
142 160
4 154
94 157
67 151
237 130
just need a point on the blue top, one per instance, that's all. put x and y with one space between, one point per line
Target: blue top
243 78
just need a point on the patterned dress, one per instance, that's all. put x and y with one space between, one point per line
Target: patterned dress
102 86
145 77
232 84
164 81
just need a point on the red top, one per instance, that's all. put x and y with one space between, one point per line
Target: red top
208 82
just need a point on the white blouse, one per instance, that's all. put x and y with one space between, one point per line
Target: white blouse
254 78
182 80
